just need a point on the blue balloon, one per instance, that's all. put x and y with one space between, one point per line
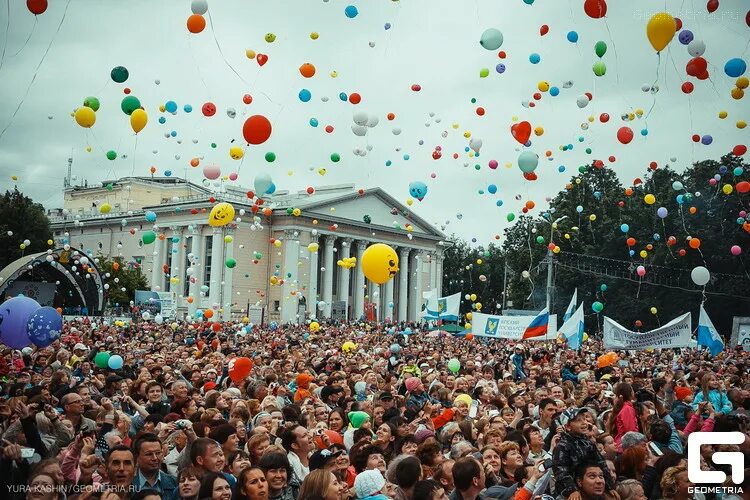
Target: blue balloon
624 228
535 58
44 326
680 199
499 203
14 319
561 168
662 212
492 189
722 170
173 133
572 36
603 287
387 26
685 37
271 189
579 209
656 237
406 157
351 11
735 67
151 216
171 106
162 120
305 95
313 122
115 362
274 325
738 171
631 252
198 313
554 91
187 108
388 163
343 96
500 68
418 190
167 173
644 132
706 140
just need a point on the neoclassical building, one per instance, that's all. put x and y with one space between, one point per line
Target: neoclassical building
269 246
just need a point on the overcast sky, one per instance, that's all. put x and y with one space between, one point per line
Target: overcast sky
434 44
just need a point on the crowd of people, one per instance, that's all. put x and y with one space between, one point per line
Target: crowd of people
385 418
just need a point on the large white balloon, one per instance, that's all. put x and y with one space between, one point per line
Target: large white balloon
359 130
198 7
700 275
360 118
696 48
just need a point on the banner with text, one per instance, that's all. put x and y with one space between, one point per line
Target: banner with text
508 327
676 333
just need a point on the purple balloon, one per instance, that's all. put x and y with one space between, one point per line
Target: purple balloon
14 316
707 139
500 68
685 37
44 326
662 212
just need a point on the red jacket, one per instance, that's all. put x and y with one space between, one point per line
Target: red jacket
626 421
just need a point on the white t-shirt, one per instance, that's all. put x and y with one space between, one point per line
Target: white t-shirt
300 470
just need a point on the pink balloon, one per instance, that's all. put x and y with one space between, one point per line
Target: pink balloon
211 172
736 250
493 164
233 176
712 182
641 271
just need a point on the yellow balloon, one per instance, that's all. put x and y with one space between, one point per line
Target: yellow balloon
313 247
467 134
650 199
654 310
379 263
478 305
410 202
742 82
50 242
468 316
236 153
334 74
85 117
585 336
643 254
660 30
277 243
467 326
250 53
737 93
592 217
314 35
723 114
543 86
138 120
296 212
314 327
539 131
228 238
473 297
727 189
221 215
479 262
741 124
105 208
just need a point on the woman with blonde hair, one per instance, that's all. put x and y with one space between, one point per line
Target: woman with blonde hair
674 484
714 392
321 484
631 489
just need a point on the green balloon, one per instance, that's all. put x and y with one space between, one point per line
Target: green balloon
119 74
111 154
540 239
599 68
91 102
258 255
582 169
230 263
510 217
270 157
130 104
454 365
289 211
484 73
101 359
597 307
600 48
473 100
109 187
148 237
213 145
335 157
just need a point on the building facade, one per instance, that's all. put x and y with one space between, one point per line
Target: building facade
280 254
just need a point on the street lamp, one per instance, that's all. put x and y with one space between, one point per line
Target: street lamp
553 226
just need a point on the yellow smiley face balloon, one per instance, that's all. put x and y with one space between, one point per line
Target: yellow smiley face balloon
379 263
221 215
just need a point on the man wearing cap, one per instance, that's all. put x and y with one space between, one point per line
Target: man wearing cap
516 362
573 448
330 395
324 459
79 354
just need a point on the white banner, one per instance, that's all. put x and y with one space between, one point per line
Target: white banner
676 333
167 300
508 327
445 308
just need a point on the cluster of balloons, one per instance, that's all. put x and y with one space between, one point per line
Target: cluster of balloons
347 263
23 321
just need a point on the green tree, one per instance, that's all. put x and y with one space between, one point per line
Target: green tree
21 219
129 278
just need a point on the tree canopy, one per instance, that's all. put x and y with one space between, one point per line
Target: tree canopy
21 219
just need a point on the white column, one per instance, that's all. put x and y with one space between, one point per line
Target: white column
387 300
344 274
217 267
328 274
157 274
403 284
415 292
290 273
312 288
439 273
196 248
359 282
433 271
227 299
178 264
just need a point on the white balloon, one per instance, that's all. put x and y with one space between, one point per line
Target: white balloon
372 121
582 101
199 6
360 118
696 48
396 131
700 275
359 130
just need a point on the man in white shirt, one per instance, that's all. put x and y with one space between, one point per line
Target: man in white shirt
298 443
547 410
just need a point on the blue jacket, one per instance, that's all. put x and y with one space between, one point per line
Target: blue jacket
718 399
168 487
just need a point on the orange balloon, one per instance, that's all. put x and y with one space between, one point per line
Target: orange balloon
189 300
607 359
208 314
239 369
629 192
693 210
196 23
530 204
695 243
116 266
59 310
469 336
307 70
194 162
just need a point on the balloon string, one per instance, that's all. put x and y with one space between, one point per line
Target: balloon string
135 149
197 66
7 30
36 21
218 46
656 80
36 71
614 49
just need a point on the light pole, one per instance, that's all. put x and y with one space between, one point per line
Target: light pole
550 256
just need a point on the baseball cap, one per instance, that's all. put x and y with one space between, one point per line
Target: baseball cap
570 414
320 458
330 390
386 396
80 346
113 378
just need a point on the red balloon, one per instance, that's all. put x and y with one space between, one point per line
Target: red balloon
209 109
480 111
747 18
329 129
739 150
355 98
696 138
688 87
678 23
247 98
704 75
612 159
521 131
712 5
261 59
239 369
416 87
257 129
36 7
595 8
604 117
544 30
502 53
630 241
696 66
625 135
743 187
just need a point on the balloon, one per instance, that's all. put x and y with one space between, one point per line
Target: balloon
595 8
119 74
102 359
92 102
649 199
600 48
491 39
418 190
148 237
694 243
129 104
572 36
138 120
262 183
314 327
735 67
211 172
521 131
379 263
597 307
230 263
221 214
599 68
239 369
736 250
351 11
115 362
700 275
624 228
641 271
528 161
333 438
625 135
44 326
607 359
660 30
454 365
14 318
662 212
85 117
196 23
305 95
199 7
696 66
257 130
208 109
36 7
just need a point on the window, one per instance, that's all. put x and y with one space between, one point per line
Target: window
186 283
207 244
276 306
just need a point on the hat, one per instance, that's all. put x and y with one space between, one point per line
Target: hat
330 390
368 483
507 375
208 386
570 414
111 379
606 376
682 392
80 346
462 398
357 418
303 380
235 392
386 396
608 394
320 458
412 383
222 432
422 434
